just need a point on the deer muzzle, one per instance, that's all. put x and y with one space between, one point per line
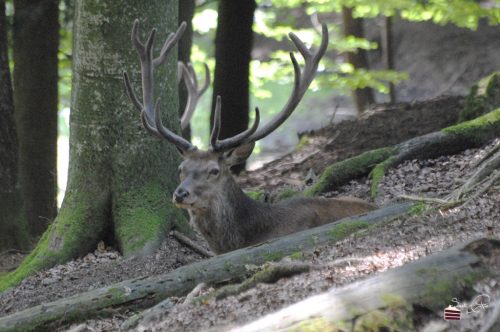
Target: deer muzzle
180 195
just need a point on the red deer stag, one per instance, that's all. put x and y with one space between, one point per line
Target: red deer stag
218 208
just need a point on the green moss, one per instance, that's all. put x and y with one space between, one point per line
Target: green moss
319 324
273 256
378 173
394 319
438 291
345 229
255 195
418 208
393 301
298 255
304 140
341 172
77 229
287 193
143 217
483 97
480 128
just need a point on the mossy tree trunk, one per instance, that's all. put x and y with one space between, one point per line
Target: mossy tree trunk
120 177
12 232
36 42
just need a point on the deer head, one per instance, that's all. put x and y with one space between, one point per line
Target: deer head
205 175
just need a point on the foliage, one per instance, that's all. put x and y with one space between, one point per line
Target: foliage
463 13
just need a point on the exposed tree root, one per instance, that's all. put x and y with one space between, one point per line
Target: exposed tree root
450 140
191 244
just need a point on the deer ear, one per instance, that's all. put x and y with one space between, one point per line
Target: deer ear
239 154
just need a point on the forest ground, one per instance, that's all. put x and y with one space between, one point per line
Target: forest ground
391 245
388 246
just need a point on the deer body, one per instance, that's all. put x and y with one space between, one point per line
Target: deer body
219 209
228 219
228 228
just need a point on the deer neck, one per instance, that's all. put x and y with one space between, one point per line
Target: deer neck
224 222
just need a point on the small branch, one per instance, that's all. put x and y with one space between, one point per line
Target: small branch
191 244
13 251
425 199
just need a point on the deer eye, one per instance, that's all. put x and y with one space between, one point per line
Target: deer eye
214 171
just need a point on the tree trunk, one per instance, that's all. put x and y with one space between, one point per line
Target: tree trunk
36 40
233 47
140 293
387 48
388 301
186 13
12 227
120 177
354 27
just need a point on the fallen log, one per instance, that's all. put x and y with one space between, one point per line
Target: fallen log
387 301
145 292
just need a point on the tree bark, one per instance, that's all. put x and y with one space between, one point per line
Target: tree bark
12 226
120 177
363 97
36 41
186 13
387 301
140 293
233 47
387 47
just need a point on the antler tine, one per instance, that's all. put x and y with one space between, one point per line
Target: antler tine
216 129
301 83
150 114
131 94
235 141
170 42
181 143
147 126
194 94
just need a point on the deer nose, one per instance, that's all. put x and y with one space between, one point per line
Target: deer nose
180 194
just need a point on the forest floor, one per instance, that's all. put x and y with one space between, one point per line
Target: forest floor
381 248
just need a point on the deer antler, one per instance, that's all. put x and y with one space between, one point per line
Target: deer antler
301 83
187 74
150 114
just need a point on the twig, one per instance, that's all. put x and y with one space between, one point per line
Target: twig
424 199
188 242
13 251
